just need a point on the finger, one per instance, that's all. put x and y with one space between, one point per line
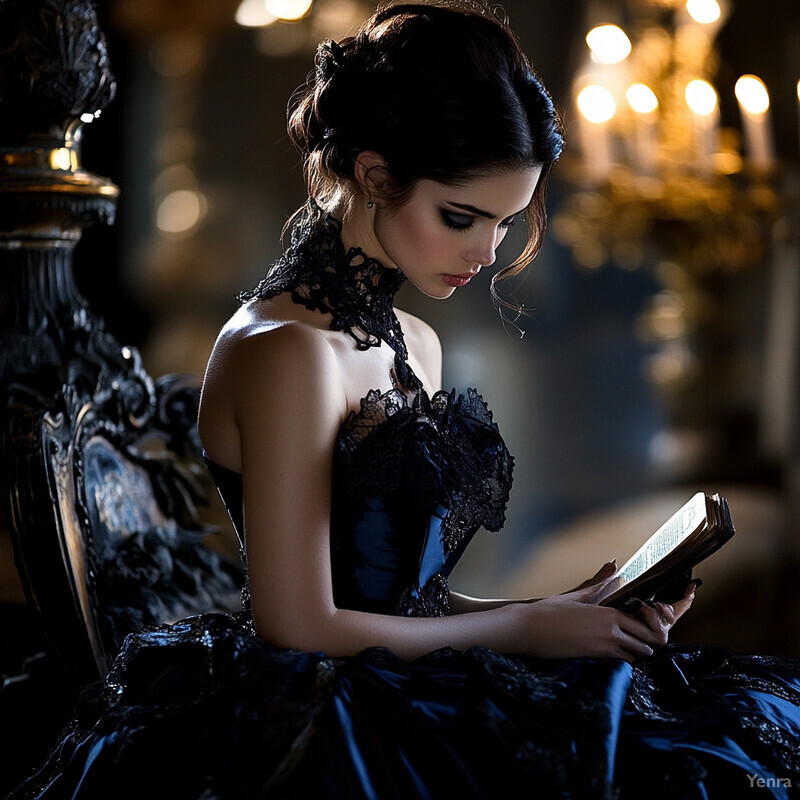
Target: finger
587 589
663 613
650 610
598 590
606 571
648 626
682 606
631 647
659 618
631 606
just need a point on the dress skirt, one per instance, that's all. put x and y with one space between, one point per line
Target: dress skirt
206 709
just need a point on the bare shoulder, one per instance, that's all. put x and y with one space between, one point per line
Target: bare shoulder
268 334
423 344
260 363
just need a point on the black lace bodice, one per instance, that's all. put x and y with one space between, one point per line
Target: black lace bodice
412 483
414 477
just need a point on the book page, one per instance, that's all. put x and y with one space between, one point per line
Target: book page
683 523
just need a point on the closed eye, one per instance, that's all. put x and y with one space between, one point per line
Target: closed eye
456 222
463 222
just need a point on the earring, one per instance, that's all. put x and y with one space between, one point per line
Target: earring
370 204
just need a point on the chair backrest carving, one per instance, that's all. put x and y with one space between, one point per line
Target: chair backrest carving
100 466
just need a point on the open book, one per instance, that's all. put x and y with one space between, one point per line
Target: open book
662 566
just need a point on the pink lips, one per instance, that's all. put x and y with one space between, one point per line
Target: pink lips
459 280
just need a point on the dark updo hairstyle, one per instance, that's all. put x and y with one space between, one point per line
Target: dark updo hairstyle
441 91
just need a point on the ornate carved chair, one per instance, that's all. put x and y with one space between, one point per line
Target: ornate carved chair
100 472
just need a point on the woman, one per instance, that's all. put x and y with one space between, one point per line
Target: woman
355 485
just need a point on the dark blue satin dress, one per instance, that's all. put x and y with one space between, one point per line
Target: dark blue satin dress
206 710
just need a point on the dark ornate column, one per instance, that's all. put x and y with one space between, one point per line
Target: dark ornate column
98 462
55 77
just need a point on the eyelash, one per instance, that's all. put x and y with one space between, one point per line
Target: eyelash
449 220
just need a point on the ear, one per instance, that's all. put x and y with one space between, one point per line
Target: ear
371 172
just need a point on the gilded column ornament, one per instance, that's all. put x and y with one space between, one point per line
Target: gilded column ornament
99 463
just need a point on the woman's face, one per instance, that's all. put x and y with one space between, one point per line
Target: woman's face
442 235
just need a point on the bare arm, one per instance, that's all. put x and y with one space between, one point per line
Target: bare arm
464 603
289 406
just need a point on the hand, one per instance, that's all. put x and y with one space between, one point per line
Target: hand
573 625
606 571
659 616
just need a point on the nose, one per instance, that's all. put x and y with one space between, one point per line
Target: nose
482 248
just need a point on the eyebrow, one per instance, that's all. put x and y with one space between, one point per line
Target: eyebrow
480 212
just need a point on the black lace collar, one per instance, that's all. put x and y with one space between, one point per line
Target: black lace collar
355 289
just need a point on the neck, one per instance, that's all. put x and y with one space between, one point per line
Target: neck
326 272
358 230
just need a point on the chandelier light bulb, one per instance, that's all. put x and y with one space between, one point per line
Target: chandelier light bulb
752 94
704 11
596 103
641 98
180 211
609 44
254 14
289 10
701 97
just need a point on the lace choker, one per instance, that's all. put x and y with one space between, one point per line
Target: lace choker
356 290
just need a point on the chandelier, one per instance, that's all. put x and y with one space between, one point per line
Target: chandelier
658 181
652 149
285 27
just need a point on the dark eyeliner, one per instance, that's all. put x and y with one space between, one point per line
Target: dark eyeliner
449 218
